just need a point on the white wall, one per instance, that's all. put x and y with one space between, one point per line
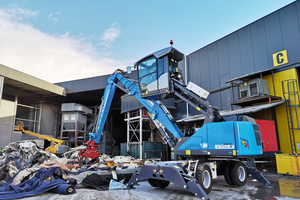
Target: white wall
7 112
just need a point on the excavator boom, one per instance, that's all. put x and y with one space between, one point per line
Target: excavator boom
58 146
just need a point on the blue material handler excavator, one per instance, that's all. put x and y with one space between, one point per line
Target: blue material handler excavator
219 147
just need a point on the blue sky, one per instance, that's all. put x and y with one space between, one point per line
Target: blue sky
60 40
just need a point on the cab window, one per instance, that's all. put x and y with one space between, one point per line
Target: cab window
148 74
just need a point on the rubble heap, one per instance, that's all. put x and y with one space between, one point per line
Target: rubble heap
26 170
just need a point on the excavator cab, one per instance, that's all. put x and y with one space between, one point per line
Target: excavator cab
156 70
159 75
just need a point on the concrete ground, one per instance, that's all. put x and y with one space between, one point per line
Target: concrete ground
284 188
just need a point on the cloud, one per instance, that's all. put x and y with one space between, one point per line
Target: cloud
20 13
54 16
110 35
54 58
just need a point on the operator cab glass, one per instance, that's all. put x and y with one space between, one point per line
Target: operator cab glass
155 71
148 74
173 64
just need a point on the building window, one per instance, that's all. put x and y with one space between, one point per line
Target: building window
29 115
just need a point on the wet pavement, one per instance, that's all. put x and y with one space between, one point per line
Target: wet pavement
285 187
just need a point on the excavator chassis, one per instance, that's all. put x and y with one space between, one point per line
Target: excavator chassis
168 172
183 174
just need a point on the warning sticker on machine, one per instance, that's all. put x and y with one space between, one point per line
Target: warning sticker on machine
224 146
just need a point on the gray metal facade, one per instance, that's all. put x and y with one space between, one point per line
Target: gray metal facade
247 50
83 85
130 103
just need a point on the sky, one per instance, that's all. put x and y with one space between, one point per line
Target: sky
62 40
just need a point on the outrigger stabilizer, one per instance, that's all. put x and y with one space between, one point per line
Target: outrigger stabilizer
162 173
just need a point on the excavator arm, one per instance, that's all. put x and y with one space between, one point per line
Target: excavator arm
190 96
58 145
158 112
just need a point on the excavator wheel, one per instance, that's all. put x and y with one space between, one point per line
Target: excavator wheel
162 183
204 177
158 183
238 173
152 182
227 173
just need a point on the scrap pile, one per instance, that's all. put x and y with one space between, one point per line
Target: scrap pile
26 170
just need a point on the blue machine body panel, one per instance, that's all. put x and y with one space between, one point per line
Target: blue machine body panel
246 131
234 138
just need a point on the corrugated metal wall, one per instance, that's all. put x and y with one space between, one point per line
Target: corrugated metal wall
245 51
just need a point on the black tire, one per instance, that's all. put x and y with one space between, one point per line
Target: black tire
162 183
227 172
152 182
238 173
204 177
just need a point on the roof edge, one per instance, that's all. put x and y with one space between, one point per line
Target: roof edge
13 74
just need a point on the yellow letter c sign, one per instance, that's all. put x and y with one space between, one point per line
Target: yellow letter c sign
280 58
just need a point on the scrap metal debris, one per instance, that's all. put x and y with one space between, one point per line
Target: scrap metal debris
27 170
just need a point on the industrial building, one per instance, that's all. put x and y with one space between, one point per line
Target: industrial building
252 71
257 64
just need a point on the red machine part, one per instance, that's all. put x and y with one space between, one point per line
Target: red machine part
90 151
268 135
